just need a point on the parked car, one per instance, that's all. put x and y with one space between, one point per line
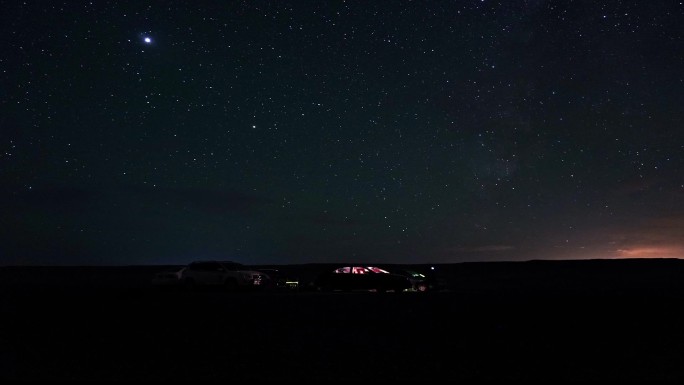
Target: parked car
280 280
228 274
419 281
167 278
349 278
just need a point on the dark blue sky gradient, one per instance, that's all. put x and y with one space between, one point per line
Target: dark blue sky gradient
320 131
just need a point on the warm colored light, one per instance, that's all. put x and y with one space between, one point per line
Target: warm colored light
651 252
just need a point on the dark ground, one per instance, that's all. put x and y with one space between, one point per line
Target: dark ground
582 320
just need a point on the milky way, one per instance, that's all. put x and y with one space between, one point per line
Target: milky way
288 132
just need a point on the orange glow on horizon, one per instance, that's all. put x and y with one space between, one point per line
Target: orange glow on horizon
651 252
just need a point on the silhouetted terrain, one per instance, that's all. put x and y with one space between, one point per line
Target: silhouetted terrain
576 320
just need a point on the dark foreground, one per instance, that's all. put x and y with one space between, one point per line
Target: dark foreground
611 320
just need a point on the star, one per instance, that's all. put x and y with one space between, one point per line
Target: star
148 40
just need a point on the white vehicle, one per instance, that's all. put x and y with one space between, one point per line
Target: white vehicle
231 275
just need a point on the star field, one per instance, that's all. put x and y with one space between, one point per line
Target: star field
290 132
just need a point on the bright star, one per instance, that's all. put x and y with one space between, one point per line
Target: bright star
148 40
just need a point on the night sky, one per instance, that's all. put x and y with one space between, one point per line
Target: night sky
324 131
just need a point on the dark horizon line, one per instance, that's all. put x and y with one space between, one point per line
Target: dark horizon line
353 263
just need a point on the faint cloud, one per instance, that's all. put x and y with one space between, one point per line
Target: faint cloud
664 187
483 249
54 197
208 200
